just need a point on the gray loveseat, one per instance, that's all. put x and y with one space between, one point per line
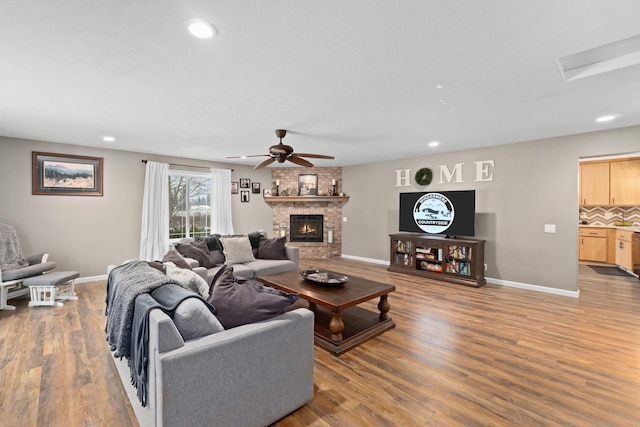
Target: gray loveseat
249 375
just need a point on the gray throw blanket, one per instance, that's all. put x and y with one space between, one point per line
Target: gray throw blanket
124 284
167 298
10 251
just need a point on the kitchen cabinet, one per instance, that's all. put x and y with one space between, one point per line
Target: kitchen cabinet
611 245
625 182
594 184
592 244
624 254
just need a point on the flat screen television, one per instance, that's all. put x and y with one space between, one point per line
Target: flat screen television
447 213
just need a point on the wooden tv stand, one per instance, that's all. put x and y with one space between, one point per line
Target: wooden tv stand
454 260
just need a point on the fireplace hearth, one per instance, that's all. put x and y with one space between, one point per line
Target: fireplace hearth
306 228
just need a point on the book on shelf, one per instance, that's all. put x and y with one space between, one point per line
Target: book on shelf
460 252
430 266
458 267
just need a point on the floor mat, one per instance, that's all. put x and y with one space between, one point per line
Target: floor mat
609 271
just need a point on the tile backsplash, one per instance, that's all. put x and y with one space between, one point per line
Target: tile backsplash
607 215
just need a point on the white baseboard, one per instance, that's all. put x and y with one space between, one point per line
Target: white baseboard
90 279
536 288
371 260
509 283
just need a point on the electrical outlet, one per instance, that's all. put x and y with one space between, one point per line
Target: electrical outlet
549 228
485 267
344 219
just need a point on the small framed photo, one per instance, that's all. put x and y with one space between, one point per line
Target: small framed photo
308 184
255 187
65 175
245 182
234 187
266 192
244 196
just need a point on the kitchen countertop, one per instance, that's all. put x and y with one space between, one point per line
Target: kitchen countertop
635 229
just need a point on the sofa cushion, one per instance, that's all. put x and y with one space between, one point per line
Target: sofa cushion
28 271
240 301
193 319
187 278
272 248
237 250
264 267
174 257
198 251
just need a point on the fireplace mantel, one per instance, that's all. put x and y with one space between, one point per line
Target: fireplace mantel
306 199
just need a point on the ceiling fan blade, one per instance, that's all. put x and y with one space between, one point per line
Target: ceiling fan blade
299 161
242 157
265 163
313 156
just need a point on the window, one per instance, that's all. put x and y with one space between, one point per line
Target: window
189 204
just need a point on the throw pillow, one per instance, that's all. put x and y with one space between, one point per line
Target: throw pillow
187 278
193 319
217 256
225 272
237 250
198 251
254 239
174 257
157 265
213 242
240 301
272 248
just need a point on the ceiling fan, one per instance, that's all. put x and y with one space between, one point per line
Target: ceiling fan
281 152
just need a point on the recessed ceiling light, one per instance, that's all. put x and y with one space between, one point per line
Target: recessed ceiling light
608 118
108 138
434 143
200 29
439 86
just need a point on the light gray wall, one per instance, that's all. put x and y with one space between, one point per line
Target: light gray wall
87 234
535 183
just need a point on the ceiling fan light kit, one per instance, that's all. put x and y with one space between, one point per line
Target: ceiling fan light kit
281 153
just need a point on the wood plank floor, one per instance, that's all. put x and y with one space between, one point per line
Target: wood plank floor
459 356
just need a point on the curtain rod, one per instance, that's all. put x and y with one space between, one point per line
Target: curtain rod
187 166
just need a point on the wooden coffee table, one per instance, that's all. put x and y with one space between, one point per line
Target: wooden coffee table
339 324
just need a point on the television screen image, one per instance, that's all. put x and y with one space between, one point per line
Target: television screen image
448 213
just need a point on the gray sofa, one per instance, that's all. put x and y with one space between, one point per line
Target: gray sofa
251 269
251 375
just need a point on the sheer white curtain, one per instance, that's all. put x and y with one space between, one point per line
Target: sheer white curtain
221 222
154 236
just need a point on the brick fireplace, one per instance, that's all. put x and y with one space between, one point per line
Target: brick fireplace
329 244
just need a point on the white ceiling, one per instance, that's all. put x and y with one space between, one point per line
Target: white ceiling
356 79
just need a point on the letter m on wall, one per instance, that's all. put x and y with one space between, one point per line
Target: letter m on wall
446 176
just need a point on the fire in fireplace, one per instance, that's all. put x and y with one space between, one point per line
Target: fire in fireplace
306 228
